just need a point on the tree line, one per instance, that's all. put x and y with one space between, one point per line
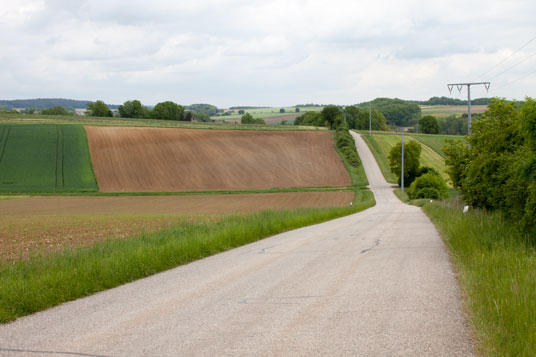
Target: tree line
167 110
333 116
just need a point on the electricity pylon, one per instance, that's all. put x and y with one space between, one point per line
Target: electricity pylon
460 86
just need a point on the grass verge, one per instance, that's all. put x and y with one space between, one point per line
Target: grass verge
497 270
42 282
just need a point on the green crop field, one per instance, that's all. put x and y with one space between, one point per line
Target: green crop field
381 144
45 158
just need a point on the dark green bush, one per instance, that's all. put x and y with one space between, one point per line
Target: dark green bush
346 145
429 185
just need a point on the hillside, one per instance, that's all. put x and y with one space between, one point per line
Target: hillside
44 103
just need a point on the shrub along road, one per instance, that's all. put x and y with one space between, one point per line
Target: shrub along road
374 283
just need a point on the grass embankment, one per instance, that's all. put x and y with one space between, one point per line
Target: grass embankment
497 270
437 142
98 121
41 282
45 158
381 145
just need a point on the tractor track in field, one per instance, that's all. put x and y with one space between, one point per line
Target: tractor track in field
60 157
3 141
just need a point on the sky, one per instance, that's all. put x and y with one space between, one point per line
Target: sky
265 53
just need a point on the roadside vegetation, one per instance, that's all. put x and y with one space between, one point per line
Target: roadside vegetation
492 245
496 266
42 282
498 170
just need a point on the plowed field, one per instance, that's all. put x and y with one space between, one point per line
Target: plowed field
127 159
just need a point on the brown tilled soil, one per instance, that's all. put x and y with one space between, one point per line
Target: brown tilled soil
48 224
127 159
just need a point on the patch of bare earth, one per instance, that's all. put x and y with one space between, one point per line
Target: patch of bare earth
127 159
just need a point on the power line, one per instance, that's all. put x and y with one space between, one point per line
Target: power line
515 65
504 60
515 80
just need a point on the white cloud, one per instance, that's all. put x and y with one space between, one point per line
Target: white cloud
261 52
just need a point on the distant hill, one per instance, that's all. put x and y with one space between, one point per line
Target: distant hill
45 103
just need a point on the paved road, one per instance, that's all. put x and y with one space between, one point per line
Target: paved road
377 283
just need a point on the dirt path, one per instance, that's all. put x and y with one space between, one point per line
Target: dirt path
377 283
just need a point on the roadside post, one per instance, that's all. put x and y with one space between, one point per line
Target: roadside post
402 165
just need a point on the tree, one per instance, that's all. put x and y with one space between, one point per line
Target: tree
453 125
247 119
282 110
99 109
208 109
396 111
297 110
57 110
202 117
241 112
133 109
358 118
329 114
168 111
412 154
429 185
428 125
188 116
498 170
260 121
310 119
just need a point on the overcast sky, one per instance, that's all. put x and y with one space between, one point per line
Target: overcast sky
262 52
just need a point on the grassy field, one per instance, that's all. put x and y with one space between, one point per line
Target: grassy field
98 121
381 144
496 268
267 112
45 158
441 111
437 142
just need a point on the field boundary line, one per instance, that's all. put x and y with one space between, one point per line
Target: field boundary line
5 142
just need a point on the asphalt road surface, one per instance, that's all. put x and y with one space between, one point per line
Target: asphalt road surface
377 283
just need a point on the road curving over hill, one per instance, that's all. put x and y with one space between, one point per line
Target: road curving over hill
376 283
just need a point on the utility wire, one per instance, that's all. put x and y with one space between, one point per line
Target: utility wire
515 80
504 60
515 65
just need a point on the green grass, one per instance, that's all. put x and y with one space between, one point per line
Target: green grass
45 158
98 121
267 112
497 271
437 142
381 145
42 282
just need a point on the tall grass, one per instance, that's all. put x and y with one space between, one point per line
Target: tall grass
42 282
497 270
